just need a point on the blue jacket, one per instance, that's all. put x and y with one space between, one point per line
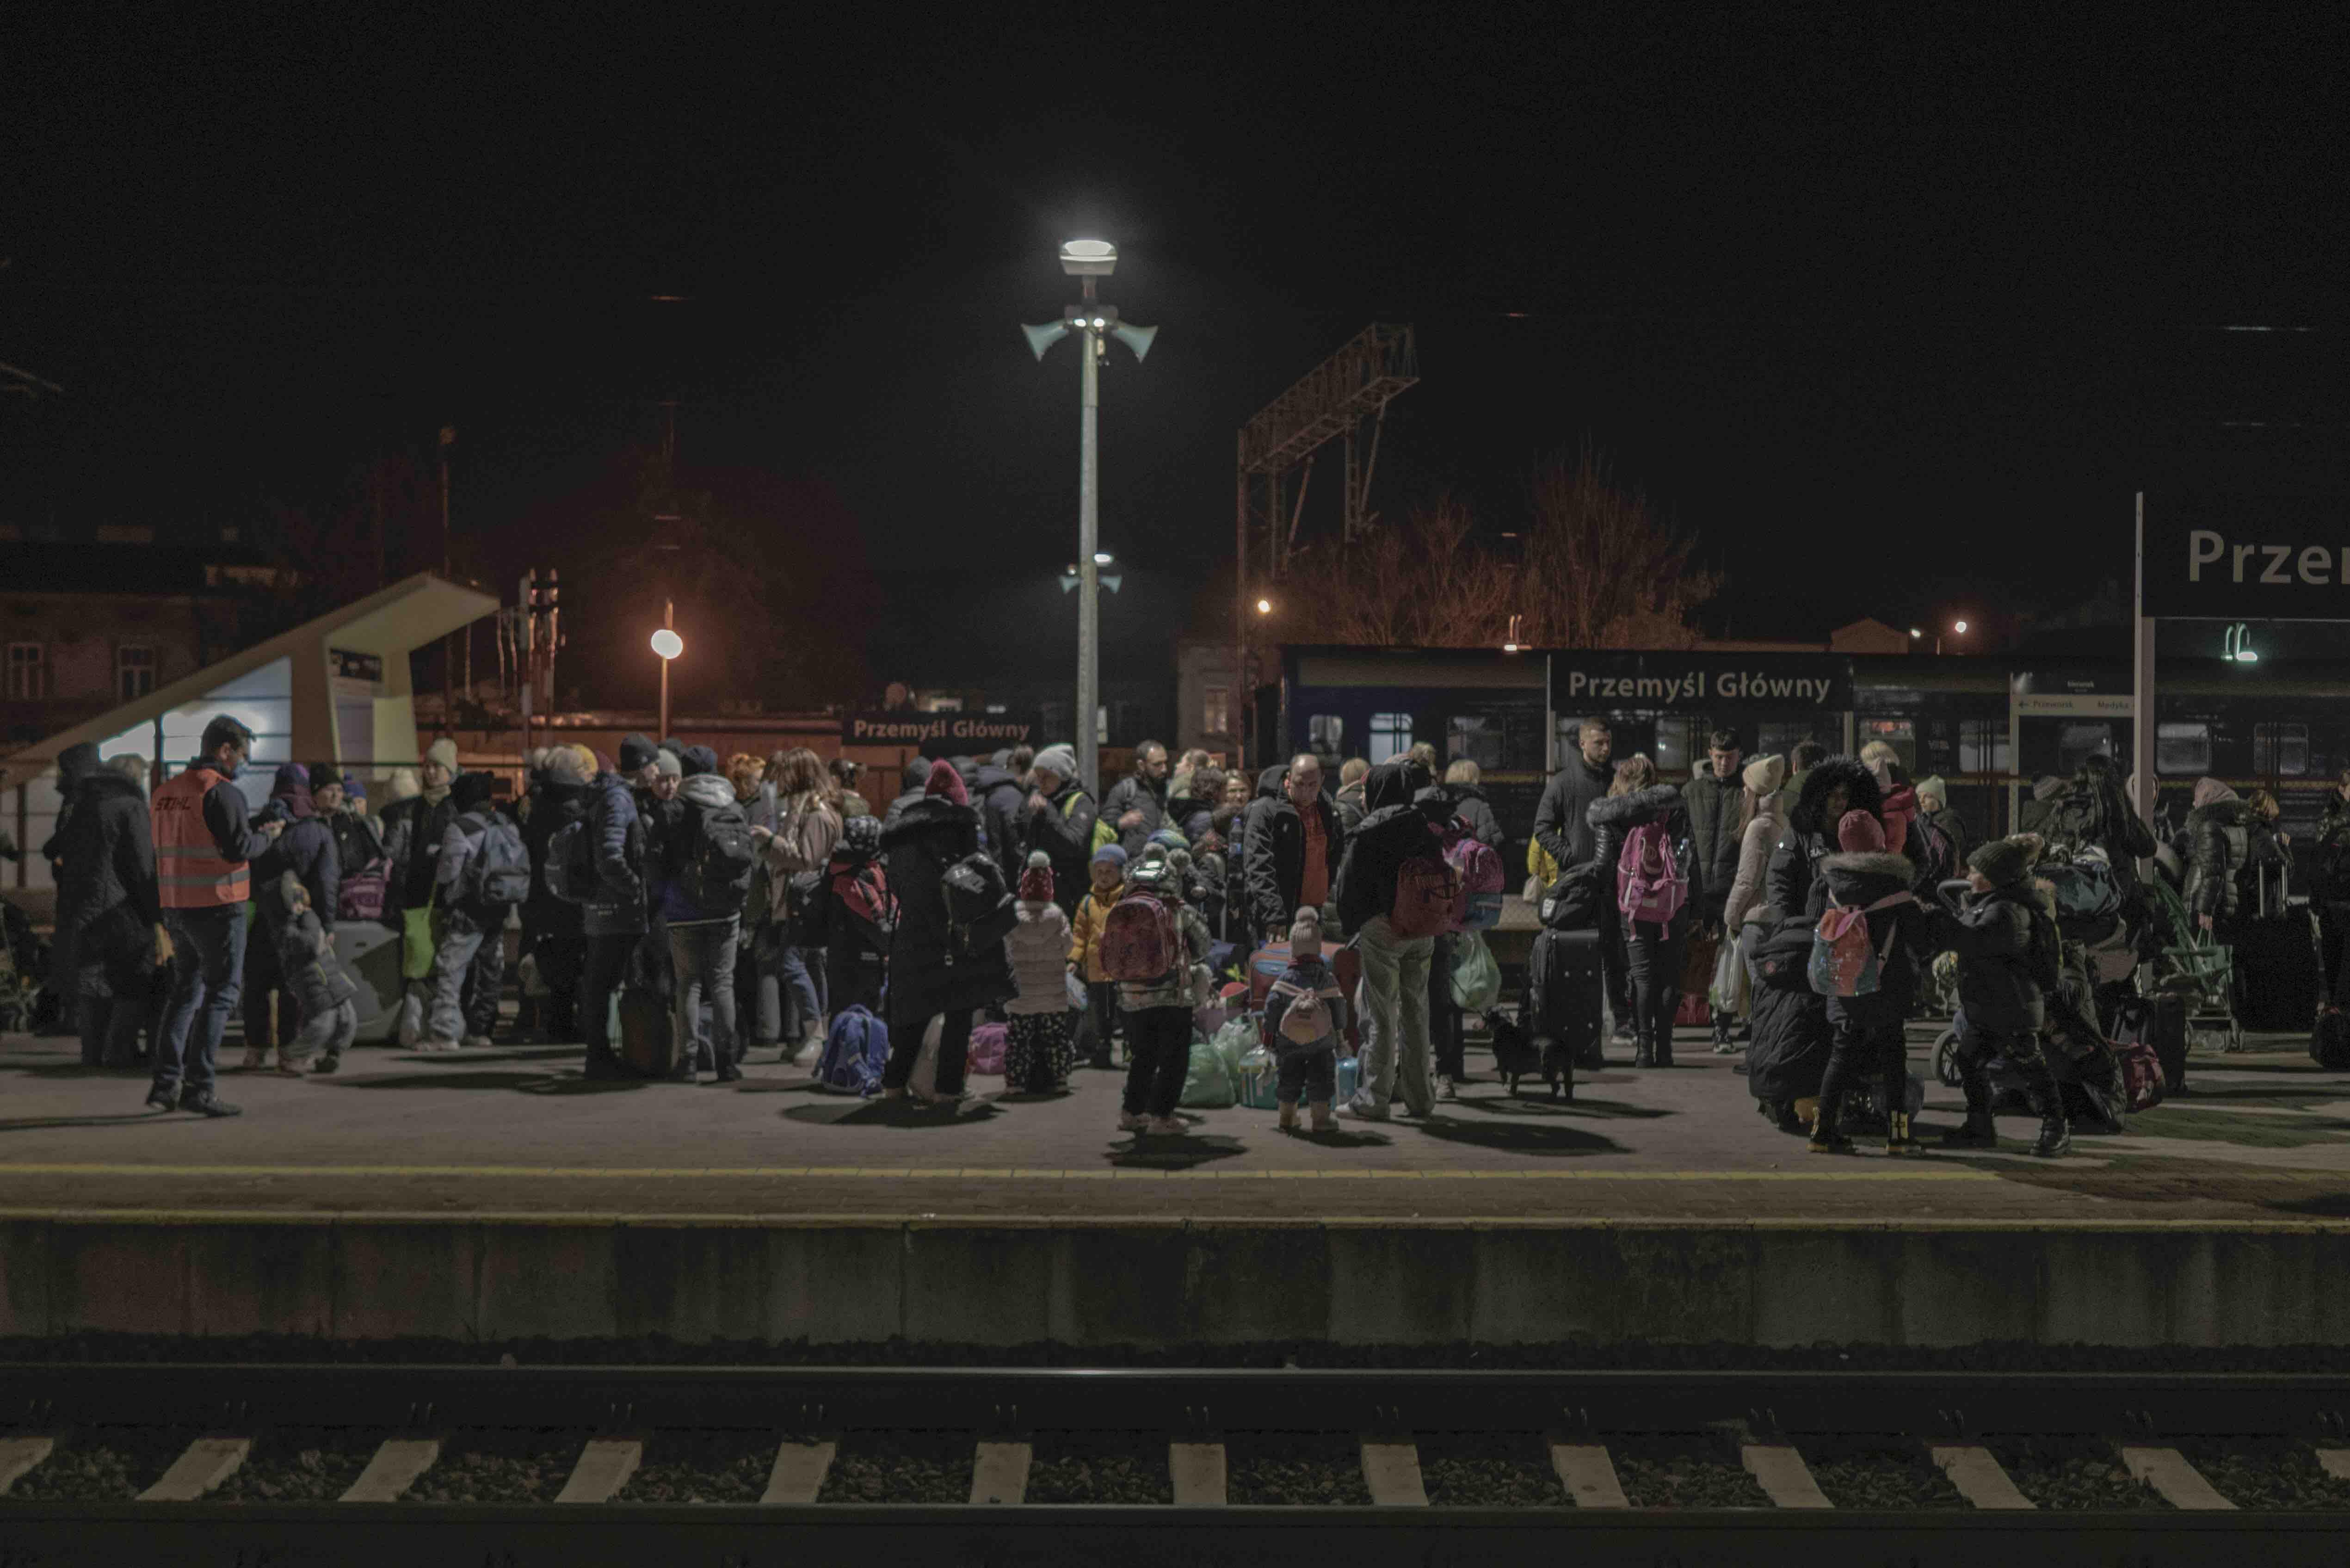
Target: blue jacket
617 908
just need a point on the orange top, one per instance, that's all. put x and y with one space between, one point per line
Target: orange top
189 869
1313 880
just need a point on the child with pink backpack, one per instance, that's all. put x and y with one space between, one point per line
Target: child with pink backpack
1304 1012
1865 961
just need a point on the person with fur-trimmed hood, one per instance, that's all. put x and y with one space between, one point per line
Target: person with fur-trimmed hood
1867 1036
2010 959
2220 837
1829 790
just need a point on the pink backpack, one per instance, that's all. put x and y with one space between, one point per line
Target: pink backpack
987 1044
1426 896
1138 940
1480 870
1844 962
1648 881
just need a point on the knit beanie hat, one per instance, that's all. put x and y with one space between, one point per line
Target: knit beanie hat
668 765
1061 761
1109 854
444 751
1932 784
945 781
1036 882
404 784
636 753
1766 775
471 790
1859 833
323 773
352 788
697 761
2005 861
563 765
1305 933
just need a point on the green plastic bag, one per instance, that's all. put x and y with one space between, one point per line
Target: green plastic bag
1208 1080
1476 979
416 943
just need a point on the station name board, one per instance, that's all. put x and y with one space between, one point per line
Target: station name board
942 735
2247 555
1698 683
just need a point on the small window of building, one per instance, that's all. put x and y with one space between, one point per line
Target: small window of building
1390 736
28 671
2182 748
134 671
1326 735
1673 752
1216 710
2281 750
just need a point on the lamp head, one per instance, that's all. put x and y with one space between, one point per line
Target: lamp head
668 644
1088 258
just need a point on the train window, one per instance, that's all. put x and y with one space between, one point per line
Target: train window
1326 735
1477 738
1216 710
2182 748
1672 754
1983 746
1390 736
2075 744
2281 750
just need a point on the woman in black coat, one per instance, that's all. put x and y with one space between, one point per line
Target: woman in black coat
930 972
109 911
1653 951
1788 1055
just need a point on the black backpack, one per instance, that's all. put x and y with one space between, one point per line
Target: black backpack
719 856
979 905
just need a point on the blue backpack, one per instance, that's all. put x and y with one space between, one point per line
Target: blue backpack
854 1051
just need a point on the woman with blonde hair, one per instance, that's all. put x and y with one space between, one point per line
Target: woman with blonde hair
1653 947
1761 818
806 825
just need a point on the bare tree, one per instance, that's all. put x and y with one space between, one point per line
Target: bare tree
1598 570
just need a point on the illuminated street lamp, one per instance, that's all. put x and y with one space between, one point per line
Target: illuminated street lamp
1093 324
669 645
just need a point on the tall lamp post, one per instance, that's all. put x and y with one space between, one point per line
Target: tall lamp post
669 645
1093 325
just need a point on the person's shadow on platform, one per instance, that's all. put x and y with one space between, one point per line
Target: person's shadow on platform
1544 1106
1521 1137
880 1113
1174 1153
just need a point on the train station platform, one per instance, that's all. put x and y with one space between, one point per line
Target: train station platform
496 1194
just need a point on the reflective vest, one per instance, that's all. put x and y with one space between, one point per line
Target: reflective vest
188 864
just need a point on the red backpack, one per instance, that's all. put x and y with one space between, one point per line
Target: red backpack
1138 940
1426 896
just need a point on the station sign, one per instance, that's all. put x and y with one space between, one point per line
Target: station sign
2248 555
350 665
1699 683
942 734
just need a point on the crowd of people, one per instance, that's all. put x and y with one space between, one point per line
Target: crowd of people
738 905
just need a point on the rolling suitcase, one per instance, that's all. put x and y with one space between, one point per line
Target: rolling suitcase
1564 1005
2276 970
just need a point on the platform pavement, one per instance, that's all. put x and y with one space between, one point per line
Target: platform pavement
514 1130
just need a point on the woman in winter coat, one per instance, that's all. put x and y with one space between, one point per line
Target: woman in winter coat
1653 948
930 972
2219 836
1744 915
555 930
806 826
110 919
308 849
1866 1030
1469 801
1830 789
1788 1055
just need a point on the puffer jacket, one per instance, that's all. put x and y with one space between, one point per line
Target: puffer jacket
1790 882
1788 1055
1085 934
616 834
2000 981
1745 901
1613 818
1398 827
316 978
108 903
927 974
2219 834
1038 952
306 848
1468 802
1713 804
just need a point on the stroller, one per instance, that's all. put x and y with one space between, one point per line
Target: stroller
2183 959
23 959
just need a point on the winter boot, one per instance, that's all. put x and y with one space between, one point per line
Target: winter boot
1978 1131
1323 1121
1289 1115
1825 1139
2056 1139
1900 1137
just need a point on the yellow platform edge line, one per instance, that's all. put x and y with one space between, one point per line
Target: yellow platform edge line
1893 1172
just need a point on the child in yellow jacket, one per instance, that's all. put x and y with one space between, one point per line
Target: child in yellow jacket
1107 870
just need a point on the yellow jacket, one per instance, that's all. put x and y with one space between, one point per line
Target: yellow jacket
1084 936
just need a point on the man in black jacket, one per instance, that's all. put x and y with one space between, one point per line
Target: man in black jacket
1711 801
1562 827
995 791
1061 823
1293 849
110 919
1137 805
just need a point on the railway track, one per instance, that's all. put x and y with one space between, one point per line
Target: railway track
290 1464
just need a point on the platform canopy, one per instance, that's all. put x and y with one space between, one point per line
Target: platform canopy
335 689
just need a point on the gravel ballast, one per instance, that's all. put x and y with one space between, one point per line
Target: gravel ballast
720 1466
2072 1473
1099 1468
1695 1469
900 1467
1503 1470
1888 1473
301 1464
104 1464
1294 1468
500 1467
2266 1473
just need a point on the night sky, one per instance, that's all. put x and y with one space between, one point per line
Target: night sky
1869 301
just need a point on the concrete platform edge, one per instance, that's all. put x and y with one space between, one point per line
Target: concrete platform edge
1160 1281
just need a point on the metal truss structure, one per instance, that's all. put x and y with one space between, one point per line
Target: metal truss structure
1336 402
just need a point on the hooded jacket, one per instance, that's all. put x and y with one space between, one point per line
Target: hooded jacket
1063 827
2219 833
927 974
702 796
2000 983
561 802
1276 854
413 829
1037 951
1003 817
1613 818
75 764
1398 827
617 835
108 903
1857 879
1765 777
316 978
1563 820
1791 882
1713 804
1349 801
306 848
1470 804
